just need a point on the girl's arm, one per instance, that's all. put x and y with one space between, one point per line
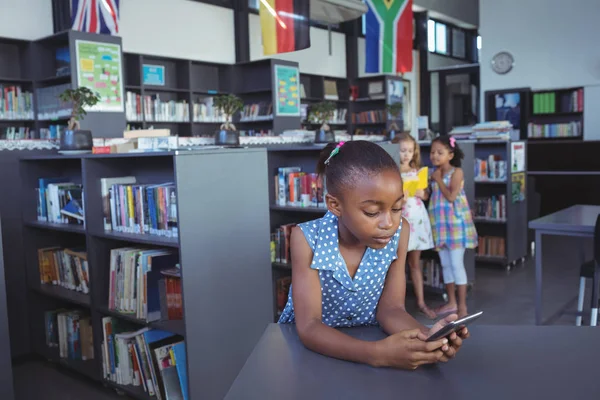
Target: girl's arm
306 294
453 190
391 311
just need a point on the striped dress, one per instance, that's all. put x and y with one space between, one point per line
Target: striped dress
452 222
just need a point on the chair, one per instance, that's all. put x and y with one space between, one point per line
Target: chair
590 270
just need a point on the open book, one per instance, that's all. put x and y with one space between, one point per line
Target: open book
412 184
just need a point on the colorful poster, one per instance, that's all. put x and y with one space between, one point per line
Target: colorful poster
153 75
288 95
99 69
517 157
518 187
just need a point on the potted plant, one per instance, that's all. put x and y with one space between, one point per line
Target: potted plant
228 104
75 139
323 113
395 110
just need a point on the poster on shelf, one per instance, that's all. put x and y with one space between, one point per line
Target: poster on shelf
517 156
518 189
153 75
99 69
287 80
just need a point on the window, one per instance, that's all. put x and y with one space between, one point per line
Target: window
431 35
458 43
441 38
253 4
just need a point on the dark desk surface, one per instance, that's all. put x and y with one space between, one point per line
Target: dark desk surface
578 218
497 363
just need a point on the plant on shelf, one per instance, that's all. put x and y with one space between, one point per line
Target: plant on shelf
323 113
228 104
395 110
79 99
74 139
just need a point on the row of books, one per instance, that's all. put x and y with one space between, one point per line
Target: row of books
142 209
280 244
135 283
154 360
299 189
17 133
15 103
49 104
491 207
156 110
60 201
338 117
492 246
204 110
545 103
257 112
282 288
71 332
133 107
52 132
493 168
567 129
367 117
432 274
67 268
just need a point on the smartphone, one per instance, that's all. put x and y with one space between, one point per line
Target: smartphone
454 326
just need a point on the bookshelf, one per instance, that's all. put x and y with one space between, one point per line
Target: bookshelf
6 381
556 114
216 281
500 217
305 157
318 88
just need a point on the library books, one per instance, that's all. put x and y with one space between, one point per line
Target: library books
53 132
134 282
493 208
491 246
491 169
432 274
133 107
15 103
152 359
280 244
18 133
59 201
204 110
282 290
558 130
338 117
368 117
299 189
262 111
140 209
49 104
71 332
156 110
570 101
67 268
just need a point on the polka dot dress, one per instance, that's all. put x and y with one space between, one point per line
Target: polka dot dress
345 301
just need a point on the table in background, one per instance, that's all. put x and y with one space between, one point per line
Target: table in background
578 220
496 363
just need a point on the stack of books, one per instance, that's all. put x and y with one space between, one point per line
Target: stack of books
67 268
492 130
60 201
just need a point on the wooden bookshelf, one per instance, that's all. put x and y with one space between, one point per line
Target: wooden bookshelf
215 279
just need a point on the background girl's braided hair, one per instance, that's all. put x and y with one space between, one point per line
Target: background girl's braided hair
355 160
458 153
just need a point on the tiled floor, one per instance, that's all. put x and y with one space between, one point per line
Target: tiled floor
507 298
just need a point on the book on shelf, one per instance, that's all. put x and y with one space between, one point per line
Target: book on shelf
558 130
204 110
491 246
152 359
493 207
569 101
156 110
49 104
133 107
282 290
280 244
71 332
432 274
299 189
60 201
338 116
262 111
491 169
368 117
139 209
67 268
170 297
134 283
15 103
331 90
18 133
52 132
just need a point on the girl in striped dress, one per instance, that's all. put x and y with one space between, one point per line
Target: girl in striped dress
451 220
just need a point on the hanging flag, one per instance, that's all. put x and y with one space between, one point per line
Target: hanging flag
95 16
389 36
284 25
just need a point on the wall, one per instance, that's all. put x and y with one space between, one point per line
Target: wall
27 19
553 43
457 10
413 77
181 29
314 60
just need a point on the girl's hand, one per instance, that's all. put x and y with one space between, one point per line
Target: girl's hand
408 350
455 339
420 193
437 175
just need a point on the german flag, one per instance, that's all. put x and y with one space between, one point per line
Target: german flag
285 25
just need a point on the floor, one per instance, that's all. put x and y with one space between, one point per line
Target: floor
507 298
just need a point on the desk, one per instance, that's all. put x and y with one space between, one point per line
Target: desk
496 363
576 220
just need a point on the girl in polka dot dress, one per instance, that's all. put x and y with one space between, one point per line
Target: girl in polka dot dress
348 267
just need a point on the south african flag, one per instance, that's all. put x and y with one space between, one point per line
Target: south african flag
388 37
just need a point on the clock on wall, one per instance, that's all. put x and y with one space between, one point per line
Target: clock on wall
502 62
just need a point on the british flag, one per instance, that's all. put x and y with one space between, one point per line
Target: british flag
95 16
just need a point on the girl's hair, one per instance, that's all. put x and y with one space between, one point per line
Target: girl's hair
354 160
406 136
452 145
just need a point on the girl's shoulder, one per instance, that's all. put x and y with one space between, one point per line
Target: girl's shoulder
313 229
